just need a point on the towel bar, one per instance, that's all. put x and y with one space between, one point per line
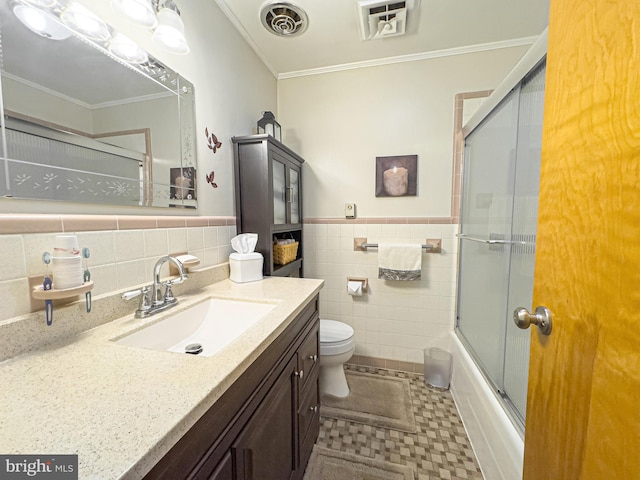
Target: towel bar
375 245
433 245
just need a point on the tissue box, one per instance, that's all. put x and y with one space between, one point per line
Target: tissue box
245 267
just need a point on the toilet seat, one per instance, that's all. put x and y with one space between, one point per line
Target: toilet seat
335 337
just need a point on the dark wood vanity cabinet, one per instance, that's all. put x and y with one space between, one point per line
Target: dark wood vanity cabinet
265 425
268 197
265 448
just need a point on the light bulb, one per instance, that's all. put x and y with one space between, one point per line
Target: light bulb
126 49
41 22
140 12
170 32
85 22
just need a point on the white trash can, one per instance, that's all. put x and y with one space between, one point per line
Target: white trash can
437 368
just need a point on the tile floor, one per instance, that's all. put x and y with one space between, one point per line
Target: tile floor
439 450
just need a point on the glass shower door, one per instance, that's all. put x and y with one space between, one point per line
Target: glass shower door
485 225
498 230
523 235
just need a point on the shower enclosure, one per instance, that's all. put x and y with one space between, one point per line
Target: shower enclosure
497 238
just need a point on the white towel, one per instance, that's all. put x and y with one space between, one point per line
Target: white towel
399 261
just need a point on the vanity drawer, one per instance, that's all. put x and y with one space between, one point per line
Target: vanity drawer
308 358
309 422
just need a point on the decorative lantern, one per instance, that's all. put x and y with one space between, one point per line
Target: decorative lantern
267 124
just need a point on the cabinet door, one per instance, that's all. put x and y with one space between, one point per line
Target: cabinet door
294 195
265 448
279 183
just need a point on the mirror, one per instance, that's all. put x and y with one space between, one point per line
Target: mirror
84 121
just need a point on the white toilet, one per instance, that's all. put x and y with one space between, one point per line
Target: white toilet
336 347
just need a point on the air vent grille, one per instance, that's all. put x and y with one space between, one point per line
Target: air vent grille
382 19
284 19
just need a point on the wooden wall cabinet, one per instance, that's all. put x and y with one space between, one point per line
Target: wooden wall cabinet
268 181
265 425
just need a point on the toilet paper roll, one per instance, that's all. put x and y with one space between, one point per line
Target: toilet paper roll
354 289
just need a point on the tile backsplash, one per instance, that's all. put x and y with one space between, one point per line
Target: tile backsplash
123 249
393 320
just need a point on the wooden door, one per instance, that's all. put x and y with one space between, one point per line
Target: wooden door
583 410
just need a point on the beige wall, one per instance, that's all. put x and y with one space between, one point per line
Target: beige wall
340 122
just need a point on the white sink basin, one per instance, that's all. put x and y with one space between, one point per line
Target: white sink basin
213 324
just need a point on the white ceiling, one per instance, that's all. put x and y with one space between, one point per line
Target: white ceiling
332 40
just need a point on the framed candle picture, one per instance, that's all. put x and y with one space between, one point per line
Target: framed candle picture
183 183
397 176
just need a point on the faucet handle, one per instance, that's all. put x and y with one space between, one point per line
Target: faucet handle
145 301
134 293
131 294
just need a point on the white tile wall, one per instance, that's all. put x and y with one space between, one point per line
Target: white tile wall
393 320
119 259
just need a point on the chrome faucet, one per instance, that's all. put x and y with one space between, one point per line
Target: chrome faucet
152 300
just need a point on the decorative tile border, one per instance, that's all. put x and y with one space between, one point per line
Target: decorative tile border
385 220
35 223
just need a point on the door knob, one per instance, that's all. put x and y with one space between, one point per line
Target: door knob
542 318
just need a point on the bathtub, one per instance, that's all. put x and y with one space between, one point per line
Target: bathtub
496 442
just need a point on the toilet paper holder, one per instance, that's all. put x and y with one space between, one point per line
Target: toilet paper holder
363 281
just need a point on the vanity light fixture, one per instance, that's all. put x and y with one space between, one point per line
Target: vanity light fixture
126 49
81 20
162 17
170 30
40 21
140 12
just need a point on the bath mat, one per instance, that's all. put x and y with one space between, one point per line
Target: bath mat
374 400
327 464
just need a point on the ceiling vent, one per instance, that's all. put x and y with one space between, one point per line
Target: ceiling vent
382 19
284 19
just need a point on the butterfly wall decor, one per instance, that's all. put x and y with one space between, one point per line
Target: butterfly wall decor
212 141
210 179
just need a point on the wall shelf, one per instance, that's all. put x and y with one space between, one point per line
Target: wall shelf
39 293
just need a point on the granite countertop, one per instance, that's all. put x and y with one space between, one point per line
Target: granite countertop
122 408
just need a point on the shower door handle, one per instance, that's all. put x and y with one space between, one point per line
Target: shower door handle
542 318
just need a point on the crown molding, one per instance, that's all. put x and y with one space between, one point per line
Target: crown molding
483 47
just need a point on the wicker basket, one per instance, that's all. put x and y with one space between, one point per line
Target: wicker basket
283 254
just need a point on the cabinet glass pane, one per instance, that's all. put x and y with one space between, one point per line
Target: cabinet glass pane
294 178
279 204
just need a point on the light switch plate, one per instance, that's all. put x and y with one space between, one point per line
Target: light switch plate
350 210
